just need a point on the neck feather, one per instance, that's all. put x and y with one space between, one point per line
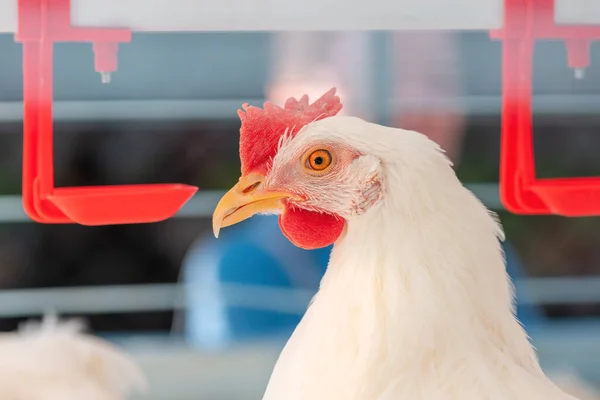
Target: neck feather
416 301
423 272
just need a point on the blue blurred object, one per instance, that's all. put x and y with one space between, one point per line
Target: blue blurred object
529 315
257 253
252 253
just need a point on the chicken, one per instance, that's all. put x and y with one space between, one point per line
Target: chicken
416 302
52 360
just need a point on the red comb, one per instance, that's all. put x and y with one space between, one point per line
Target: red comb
262 128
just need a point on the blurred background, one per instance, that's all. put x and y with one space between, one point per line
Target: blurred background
207 318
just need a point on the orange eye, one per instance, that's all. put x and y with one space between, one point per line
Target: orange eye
318 160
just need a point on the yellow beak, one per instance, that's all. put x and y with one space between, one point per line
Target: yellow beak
244 200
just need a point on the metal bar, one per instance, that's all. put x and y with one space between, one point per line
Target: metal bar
143 297
585 12
563 290
131 110
268 15
166 297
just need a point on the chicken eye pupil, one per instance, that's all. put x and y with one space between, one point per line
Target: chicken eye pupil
318 160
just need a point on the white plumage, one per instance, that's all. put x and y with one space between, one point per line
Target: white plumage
416 303
53 360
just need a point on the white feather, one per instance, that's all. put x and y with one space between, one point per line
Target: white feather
416 303
53 360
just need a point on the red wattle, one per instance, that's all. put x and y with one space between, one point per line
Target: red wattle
310 230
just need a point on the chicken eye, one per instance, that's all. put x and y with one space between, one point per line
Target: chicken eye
318 160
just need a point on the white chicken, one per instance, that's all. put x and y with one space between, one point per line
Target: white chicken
416 303
52 360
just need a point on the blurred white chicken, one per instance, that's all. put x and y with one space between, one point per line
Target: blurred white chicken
416 303
53 360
